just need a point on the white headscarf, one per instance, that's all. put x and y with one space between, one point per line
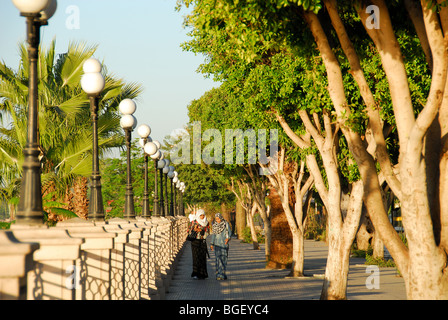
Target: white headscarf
202 222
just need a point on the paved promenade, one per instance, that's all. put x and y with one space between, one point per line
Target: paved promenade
249 280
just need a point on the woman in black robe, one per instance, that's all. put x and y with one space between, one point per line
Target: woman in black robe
199 245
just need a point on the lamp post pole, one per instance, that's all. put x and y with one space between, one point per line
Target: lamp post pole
129 211
152 148
144 131
128 122
182 189
162 201
156 196
165 173
92 82
181 203
172 203
174 196
96 209
171 176
145 207
29 210
178 199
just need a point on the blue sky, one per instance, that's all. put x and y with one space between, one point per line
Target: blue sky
139 41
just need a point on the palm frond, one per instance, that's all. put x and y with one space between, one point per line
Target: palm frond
71 71
65 129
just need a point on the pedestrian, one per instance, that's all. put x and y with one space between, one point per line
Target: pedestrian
221 233
199 245
192 216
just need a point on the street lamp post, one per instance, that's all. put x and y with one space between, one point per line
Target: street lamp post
165 170
152 149
179 199
92 82
144 132
160 166
30 209
182 189
174 181
171 176
128 123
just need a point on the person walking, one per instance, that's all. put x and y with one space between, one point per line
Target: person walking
199 245
192 216
221 233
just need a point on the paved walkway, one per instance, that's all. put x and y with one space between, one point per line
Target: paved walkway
249 280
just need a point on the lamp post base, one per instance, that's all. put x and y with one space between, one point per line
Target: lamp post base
129 211
96 209
145 206
29 210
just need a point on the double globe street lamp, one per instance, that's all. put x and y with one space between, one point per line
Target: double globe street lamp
29 210
173 186
181 201
151 148
128 122
92 82
171 175
165 171
144 131
160 166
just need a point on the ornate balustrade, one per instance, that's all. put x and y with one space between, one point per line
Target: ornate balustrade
78 259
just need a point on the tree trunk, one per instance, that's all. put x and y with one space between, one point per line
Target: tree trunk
378 245
257 187
268 238
340 238
298 254
427 261
240 220
336 271
364 235
225 212
287 182
281 239
12 212
253 232
80 200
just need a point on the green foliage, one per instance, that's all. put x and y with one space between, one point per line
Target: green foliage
5 225
370 260
247 236
315 226
113 180
379 261
206 184
361 253
435 5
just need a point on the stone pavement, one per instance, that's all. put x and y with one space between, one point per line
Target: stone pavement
249 280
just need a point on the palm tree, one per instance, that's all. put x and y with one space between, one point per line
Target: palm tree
64 123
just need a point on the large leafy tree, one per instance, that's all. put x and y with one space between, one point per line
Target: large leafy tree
65 133
347 42
206 185
276 83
